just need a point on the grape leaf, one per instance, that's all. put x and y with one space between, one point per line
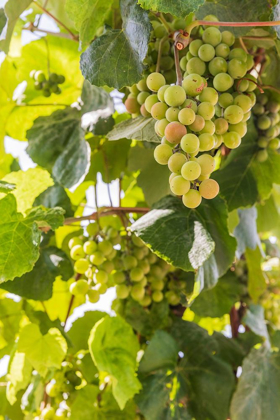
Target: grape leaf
81 328
10 316
38 283
57 143
256 396
115 58
276 16
255 320
179 8
3 20
246 232
55 196
6 187
13 412
88 17
113 347
193 235
20 237
33 395
256 277
43 351
20 370
268 216
139 128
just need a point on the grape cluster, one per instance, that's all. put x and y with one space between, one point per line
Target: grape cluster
48 86
267 121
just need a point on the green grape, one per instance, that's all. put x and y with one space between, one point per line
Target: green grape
53 77
191 170
157 296
218 111
170 76
232 139
105 247
179 185
46 93
207 164
174 131
263 142
136 274
77 252
209 189
112 254
129 262
40 76
108 266
172 298
212 36
89 247
122 291
272 132
196 65
143 282
209 95
246 116
221 126
158 110
217 65
48 413
160 31
206 110
225 100
190 143
218 140
189 56
206 52
101 276
160 93
74 241
210 18
186 116
166 63
198 124
162 153
273 106
92 229
93 296
142 85
192 199
174 96
250 62
101 288
137 292
252 96
263 122
263 99
150 101
142 96
160 126
60 79
242 85
55 89
137 241
228 38
189 103
146 301
244 102
238 53
172 114
132 106
222 82
144 264
38 86
52 389
81 266
80 287
171 177
262 155
194 47
274 144
240 128
233 114
208 128
206 142
237 68
164 141
176 161
155 81
183 63
222 50
97 258
133 89
139 253
193 84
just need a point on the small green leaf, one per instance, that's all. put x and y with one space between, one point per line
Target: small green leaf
6 187
113 347
256 278
20 370
55 196
81 328
268 216
3 20
140 128
179 8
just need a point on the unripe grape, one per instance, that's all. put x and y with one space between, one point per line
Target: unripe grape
157 296
40 76
92 229
252 96
162 153
232 139
144 264
105 247
233 114
244 102
242 85
228 38
273 106
38 86
129 262
206 142
48 413
262 155
221 126
222 50
189 103
194 47
144 112
174 131
238 53
246 116
161 91
142 96
80 287
225 100
146 301
97 258
172 114
132 106
122 291
206 52
81 266
263 142
137 292
263 122
142 85
52 389
174 96
160 31
250 62
209 95
101 276
77 252
193 84
160 127
101 288
176 161
171 177
198 124
274 144
93 296
237 68
218 140
207 164
137 241
196 65
209 189
222 82
172 298
158 110
240 128
186 116
164 141
155 81
263 99
206 110
89 247
190 143
209 128
108 266
75 241
191 170
212 36
150 101
192 199
179 185
166 63
118 277
183 63
133 89
136 274
217 65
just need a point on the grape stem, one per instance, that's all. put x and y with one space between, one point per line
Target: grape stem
269 87
77 276
107 211
243 45
54 104
177 66
160 53
250 80
33 28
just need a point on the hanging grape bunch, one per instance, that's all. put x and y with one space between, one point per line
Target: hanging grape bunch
267 118
47 85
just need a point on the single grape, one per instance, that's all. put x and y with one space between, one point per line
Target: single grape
108 266
233 114
274 144
158 110
207 164
101 288
206 52
48 413
263 99
174 131
237 68
174 96
252 96
97 258
40 76
194 47
133 89
93 295
79 287
246 116
52 389
222 50
263 122
192 199
172 298
75 241
183 63
228 38
150 101
273 106
221 126
137 292
262 155
238 53
144 112
105 247
189 103
263 142
218 111
77 252
38 86
186 116
172 114
242 85
132 106
198 124
208 128
146 301
250 62
209 95
225 100
240 128
212 36
206 110
232 139
244 102
160 31
217 65
92 229
171 177
222 82
122 291
155 81
209 188
160 93
89 247
166 63
142 96
190 143
191 170
206 142
164 141
211 18
101 276
193 84
136 274
157 296
129 262
160 126
196 65
81 266
218 140
179 185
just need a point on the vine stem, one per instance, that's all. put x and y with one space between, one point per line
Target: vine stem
107 211
177 66
20 105
269 87
237 24
77 276
160 53
33 28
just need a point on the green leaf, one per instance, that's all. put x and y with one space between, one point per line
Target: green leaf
57 143
276 16
43 351
153 178
10 317
256 277
140 128
12 10
34 394
12 412
179 8
20 237
268 216
255 320
3 20
55 196
246 231
20 371
115 58
29 184
196 233
113 347
243 11
6 187
258 389
81 328
88 17
38 283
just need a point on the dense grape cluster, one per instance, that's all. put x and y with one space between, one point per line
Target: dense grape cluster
267 121
47 85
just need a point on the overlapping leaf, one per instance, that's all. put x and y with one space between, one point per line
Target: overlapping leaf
179 8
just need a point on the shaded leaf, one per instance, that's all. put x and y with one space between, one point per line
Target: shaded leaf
256 277
179 8
81 328
20 370
246 231
55 196
254 319
6 187
139 128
